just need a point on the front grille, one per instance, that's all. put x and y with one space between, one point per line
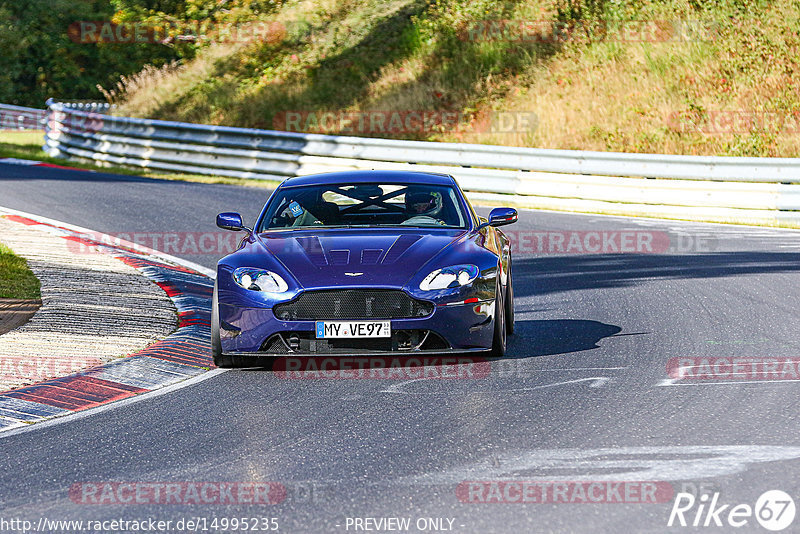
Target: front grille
402 341
353 304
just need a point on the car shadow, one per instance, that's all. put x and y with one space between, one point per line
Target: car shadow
557 336
531 339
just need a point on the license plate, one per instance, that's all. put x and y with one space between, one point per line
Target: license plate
352 329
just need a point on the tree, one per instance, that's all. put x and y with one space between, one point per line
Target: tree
38 59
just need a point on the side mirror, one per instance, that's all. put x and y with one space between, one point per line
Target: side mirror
502 216
230 221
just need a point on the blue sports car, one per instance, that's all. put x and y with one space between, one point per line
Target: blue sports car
364 263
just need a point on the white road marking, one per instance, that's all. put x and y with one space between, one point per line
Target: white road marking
73 416
577 369
613 464
679 382
17 161
742 360
395 388
597 381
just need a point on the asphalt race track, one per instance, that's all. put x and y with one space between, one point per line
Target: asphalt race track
585 394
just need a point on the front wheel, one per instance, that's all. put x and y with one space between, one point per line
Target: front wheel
220 360
500 330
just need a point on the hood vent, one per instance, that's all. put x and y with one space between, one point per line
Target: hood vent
339 257
371 256
400 245
313 249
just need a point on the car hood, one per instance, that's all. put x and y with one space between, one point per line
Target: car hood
355 257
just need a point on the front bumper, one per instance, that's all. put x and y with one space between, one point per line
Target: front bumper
256 331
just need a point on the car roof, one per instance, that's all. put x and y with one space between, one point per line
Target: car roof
362 177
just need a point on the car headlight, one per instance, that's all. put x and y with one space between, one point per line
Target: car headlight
449 277
259 280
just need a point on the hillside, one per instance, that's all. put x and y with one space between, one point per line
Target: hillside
685 77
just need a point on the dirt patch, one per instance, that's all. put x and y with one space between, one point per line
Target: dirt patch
16 312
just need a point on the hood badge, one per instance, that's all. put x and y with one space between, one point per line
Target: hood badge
353 274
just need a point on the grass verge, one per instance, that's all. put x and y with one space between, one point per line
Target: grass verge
16 280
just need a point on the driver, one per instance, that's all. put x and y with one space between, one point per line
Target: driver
423 203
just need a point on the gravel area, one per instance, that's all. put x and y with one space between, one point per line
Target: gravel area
95 308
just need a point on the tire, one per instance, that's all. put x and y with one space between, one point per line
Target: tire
220 360
509 318
500 330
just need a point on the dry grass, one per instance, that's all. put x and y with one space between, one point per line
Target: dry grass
150 80
632 99
589 92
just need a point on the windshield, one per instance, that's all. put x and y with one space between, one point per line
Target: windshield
364 205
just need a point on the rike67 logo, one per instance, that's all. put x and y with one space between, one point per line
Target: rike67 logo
774 510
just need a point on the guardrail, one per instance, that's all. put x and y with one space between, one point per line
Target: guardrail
724 189
21 118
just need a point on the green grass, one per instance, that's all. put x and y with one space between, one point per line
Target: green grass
28 145
615 90
16 280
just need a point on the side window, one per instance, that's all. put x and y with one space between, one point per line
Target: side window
455 218
281 212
